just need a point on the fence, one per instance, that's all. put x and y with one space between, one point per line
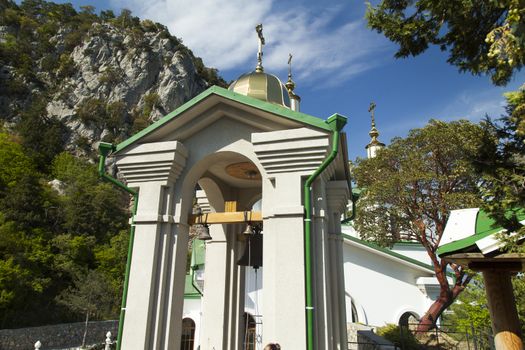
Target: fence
59 337
447 337
443 337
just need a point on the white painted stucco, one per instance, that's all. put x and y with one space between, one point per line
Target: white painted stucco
382 288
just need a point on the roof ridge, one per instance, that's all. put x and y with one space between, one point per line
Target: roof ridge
388 251
253 102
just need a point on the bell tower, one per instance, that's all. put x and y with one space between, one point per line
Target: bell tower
239 146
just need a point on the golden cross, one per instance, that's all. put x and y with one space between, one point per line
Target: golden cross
259 29
371 110
290 65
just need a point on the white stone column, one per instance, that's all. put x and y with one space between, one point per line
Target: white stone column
236 287
158 249
322 278
170 334
288 157
338 195
216 299
283 264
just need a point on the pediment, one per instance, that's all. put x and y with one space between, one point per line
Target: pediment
217 103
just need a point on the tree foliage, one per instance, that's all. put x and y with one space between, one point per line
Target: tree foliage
482 36
60 225
50 239
411 186
470 312
502 165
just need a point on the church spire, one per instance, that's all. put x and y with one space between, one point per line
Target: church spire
374 145
290 86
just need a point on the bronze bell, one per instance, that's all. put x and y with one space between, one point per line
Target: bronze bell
204 232
249 230
253 248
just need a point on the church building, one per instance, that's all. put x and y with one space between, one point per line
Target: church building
264 187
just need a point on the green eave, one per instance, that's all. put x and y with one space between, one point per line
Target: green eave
189 290
250 101
407 244
389 252
485 226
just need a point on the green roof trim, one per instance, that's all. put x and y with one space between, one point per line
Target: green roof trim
407 244
250 101
389 252
485 226
189 290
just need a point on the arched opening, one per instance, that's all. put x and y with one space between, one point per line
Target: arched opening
225 187
187 339
250 335
355 318
408 320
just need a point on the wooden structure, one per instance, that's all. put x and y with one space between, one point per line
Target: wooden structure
470 239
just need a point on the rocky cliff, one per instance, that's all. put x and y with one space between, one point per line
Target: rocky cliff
101 77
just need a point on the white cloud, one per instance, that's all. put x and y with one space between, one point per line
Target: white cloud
475 105
222 33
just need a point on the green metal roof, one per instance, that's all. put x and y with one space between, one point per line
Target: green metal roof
485 226
189 290
389 252
407 244
198 252
230 95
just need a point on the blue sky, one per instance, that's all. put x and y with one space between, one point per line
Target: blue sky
339 64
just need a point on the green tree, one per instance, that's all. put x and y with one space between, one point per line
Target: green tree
470 311
25 255
409 189
502 165
90 207
89 295
482 36
42 136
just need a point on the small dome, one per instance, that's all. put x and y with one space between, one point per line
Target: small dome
262 86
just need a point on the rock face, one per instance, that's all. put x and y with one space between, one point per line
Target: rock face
112 68
113 82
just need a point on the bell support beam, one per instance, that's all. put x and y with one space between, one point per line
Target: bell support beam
226 217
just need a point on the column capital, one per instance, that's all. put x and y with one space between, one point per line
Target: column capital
160 162
338 195
300 150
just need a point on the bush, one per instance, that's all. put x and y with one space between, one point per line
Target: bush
400 336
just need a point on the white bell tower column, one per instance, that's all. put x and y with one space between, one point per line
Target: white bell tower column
159 249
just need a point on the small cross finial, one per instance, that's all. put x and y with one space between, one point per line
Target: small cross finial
259 30
290 66
371 110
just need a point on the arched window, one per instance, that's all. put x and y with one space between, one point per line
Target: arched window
355 318
250 336
408 320
188 334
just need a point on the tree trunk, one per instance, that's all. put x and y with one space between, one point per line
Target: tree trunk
428 321
85 331
446 298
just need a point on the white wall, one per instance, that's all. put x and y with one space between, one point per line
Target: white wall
381 288
192 309
414 251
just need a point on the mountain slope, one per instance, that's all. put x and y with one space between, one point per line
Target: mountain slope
100 77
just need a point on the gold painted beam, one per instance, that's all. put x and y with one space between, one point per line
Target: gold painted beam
226 218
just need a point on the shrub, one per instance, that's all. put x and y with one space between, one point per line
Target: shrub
400 336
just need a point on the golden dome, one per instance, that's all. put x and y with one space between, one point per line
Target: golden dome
262 86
